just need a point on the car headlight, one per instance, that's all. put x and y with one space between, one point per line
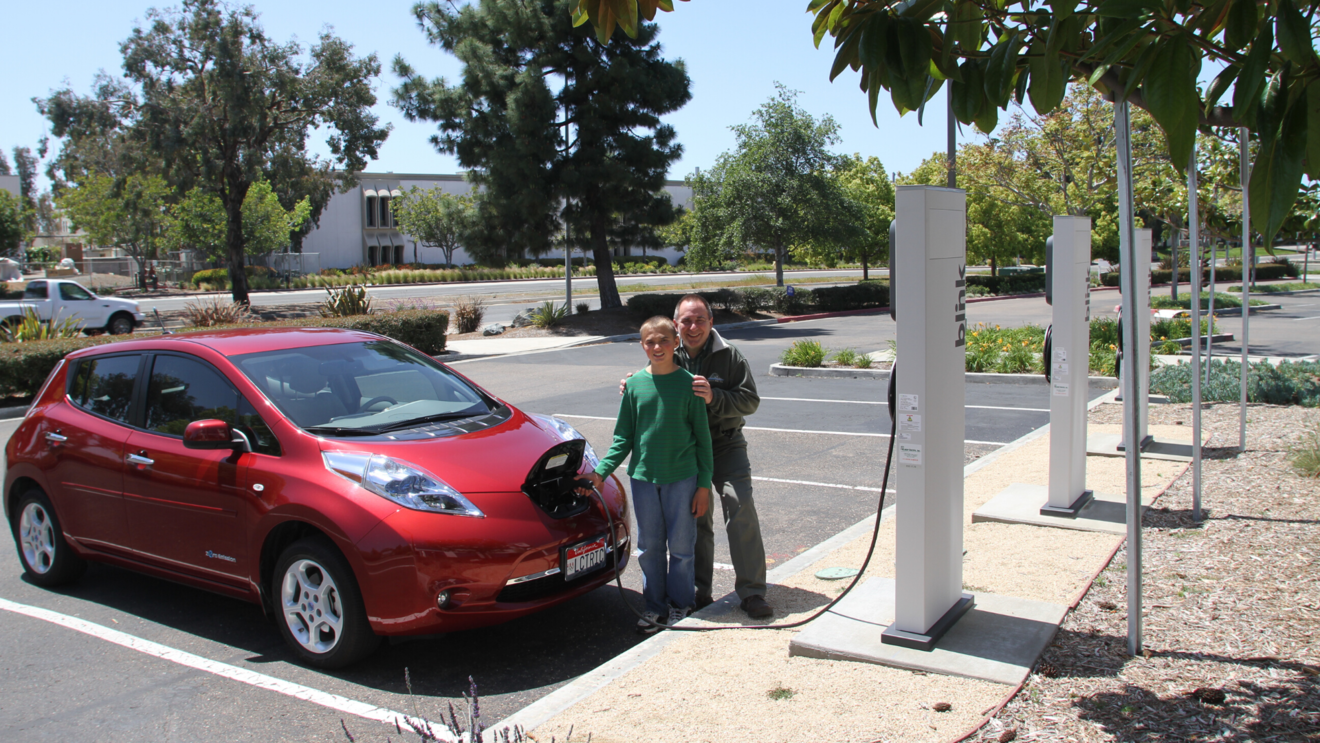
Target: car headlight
406 484
568 433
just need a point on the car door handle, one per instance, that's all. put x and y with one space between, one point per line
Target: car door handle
139 459
55 438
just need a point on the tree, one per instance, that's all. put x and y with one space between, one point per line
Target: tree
12 221
199 222
868 185
776 190
218 103
435 219
506 126
130 213
1145 52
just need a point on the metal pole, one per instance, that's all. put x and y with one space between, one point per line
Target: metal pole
1127 259
1210 315
1244 156
568 246
1194 245
953 138
1173 253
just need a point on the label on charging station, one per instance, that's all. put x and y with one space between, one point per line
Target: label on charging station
909 422
1060 389
907 402
909 454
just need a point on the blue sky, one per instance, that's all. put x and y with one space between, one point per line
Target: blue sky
735 52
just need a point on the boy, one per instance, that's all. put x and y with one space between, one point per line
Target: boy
663 425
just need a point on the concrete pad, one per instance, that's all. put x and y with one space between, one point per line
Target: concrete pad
999 640
1171 450
1020 503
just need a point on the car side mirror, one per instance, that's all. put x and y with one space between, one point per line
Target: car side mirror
214 434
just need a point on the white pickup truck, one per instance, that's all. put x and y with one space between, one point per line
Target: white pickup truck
64 299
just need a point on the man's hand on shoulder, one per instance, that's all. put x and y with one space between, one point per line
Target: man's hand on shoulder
623 383
701 388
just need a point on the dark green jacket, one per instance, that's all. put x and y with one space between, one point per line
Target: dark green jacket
733 390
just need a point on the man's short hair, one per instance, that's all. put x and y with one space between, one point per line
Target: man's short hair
693 298
659 322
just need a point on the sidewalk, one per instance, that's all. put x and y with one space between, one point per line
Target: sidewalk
742 685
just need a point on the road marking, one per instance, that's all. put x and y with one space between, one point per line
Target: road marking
788 430
224 670
876 402
822 484
1317 317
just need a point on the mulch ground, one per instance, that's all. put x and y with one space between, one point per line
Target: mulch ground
1232 607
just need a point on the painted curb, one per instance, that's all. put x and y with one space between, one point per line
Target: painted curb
779 370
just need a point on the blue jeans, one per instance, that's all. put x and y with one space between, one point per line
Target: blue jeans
664 517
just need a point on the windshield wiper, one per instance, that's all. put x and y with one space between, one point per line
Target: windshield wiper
340 431
414 422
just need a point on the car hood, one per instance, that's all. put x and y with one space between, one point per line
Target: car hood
494 460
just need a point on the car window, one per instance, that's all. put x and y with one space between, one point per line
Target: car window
35 290
183 390
104 385
74 292
372 386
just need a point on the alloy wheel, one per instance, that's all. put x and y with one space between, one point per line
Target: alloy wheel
312 607
36 534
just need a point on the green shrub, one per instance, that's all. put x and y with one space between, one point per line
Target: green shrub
214 311
549 314
846 357
1305 455
30 327
1289 383
1011 283
863 362
469 310
790 303
349 301
1264 272
25 366
753 299
1295 286
650 305
219 277
804 353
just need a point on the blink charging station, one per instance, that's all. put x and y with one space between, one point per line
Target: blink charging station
1067 284
929 257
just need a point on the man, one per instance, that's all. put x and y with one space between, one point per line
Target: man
723 379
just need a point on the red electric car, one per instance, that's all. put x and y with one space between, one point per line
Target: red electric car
350 484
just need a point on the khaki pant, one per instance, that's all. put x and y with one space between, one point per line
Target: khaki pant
732 486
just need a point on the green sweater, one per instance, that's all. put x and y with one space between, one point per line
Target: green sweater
663 424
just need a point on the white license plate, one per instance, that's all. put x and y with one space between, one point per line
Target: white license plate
585 557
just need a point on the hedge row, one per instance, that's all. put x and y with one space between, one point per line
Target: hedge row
1264 272
1016 283
218 276
25 366
863 295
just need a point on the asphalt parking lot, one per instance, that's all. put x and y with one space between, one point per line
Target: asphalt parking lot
212 669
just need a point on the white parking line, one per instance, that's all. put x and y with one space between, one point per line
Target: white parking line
823 484
224 670
787 430
1317 317
881 402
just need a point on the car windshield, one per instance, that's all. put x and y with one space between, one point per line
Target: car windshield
361 388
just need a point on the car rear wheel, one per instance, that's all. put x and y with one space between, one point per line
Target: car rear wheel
47 558
120 324
320 608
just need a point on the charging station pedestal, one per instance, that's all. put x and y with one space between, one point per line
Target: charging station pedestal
1070 334
1139 357
929 260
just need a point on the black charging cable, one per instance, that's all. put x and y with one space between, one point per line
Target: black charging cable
875 536
1045 351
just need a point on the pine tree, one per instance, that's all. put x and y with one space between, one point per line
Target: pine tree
592 152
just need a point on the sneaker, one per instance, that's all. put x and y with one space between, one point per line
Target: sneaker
677 615
757 608
647 625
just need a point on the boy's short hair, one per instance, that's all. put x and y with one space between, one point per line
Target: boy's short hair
693 298
659 322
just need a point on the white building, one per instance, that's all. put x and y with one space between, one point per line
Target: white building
12 184
356 228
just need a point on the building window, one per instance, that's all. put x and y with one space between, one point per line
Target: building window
371 255
384 211
398 255
371 211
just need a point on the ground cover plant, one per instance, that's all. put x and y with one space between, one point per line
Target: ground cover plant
469 311
804 353
549 314
1293 286
1305 454
1184 301
1288 383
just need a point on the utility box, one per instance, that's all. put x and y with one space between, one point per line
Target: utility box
1068 362
929 256
1137 360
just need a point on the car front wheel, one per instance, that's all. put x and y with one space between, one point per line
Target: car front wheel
120 324
47 558
320 608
